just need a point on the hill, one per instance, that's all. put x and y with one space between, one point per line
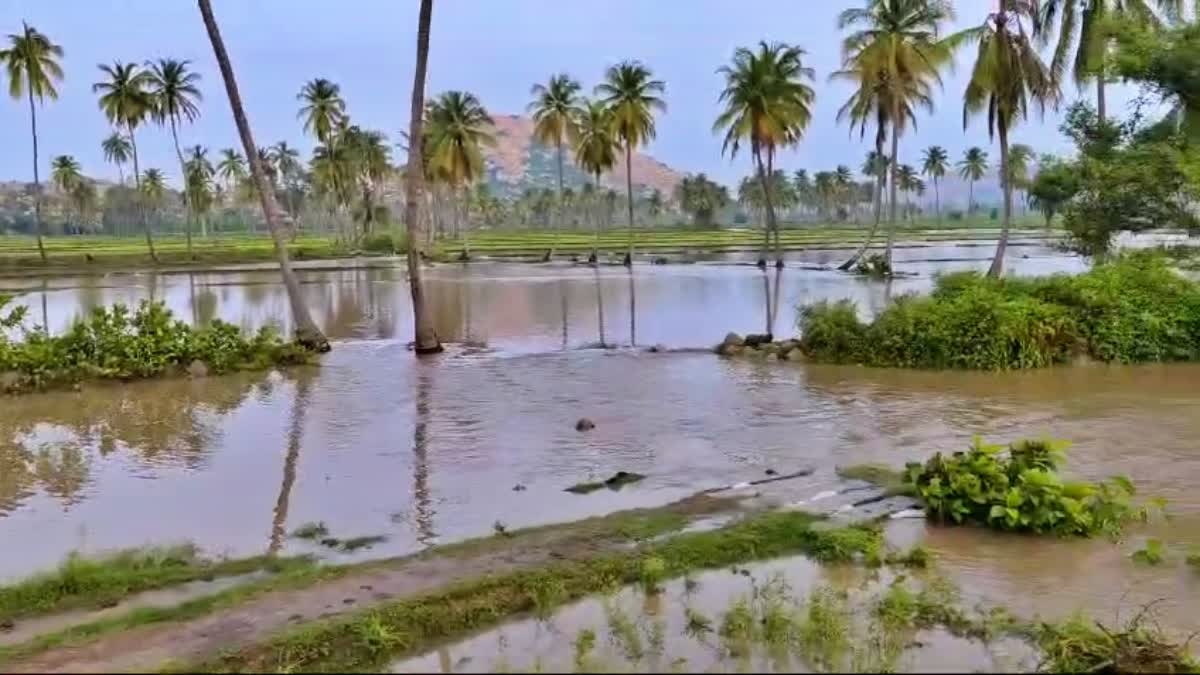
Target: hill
517 163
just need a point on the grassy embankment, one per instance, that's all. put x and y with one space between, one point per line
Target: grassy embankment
19 253
1135 309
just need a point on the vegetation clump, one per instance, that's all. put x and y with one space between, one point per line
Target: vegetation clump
1131 310
614 482
1019 489
114 343
875 266
1082 646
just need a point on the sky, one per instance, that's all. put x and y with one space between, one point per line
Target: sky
494 48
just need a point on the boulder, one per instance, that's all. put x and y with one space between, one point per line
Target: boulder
754 340
197 369
733 339
584 424
795 355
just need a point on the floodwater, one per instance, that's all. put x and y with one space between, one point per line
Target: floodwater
375 442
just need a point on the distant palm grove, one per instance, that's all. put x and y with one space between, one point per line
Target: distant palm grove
894 53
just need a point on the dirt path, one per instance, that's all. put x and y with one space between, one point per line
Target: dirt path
149 647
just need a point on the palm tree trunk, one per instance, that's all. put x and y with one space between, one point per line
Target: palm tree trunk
294 436
307 333
425 340
187 203
561 210
997 268
137 187
970 197
767 179
595 257
766 248
937 199
462 215
1101 106
37 183
878 203
629 194
893 164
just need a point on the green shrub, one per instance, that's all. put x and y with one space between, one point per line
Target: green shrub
1019 490
379 243
1131 310
114 343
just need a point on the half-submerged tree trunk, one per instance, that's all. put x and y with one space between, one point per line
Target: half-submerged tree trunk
141 205
425 340
997 268
307 333
629 194
878 203
187 202
37 182
768 179
766 248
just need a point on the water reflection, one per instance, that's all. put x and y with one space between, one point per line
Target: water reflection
422 503
303 383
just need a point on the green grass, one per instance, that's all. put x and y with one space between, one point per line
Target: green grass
369 639
891 480
86 583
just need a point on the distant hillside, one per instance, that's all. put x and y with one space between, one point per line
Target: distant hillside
517 163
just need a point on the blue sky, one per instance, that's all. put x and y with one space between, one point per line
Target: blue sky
494 48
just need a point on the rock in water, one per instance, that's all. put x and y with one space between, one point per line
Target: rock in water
198 369
754 340
733 339
584 424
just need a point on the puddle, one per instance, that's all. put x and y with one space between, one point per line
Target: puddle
701 625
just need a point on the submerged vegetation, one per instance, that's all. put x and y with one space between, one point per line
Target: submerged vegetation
1134 309
1019 489
117 344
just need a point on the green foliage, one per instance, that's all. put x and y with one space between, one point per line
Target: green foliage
114 343
1019 490
1053 187
379 243
1079 645
1131 310
1153 553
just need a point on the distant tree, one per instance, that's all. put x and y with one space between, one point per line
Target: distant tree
934 164
126 100
176 95
117 150
1053 187
457 127
323 108
595 149
554 110
971 168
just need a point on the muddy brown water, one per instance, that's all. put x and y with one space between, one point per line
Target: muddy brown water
373 442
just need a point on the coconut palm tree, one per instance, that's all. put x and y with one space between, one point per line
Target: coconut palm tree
1007 79
323 108
307 333
176 95
457 129
1080 25
1019 157
117 150
288 168
65 174
633 96
767 102
971 168
595 148
31 61
231 168
895 53
553 110
126 101
425 339
906 176
153 186
934 163
198 174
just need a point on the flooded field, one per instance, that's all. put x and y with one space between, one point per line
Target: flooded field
373 442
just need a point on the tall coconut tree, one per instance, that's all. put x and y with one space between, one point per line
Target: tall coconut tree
1019 158
31 61
934 163
126 101
634 97
323 108
288 168
1083 38
198 175
1008 78
768 103
971 168
176 95
307 332
425 339
906 176
117 151
897 50
595 150
153 186
457 129
554 110
231 168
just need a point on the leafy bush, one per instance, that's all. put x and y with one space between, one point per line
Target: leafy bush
1131 310
114 343
1019 490
379 243
874 265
